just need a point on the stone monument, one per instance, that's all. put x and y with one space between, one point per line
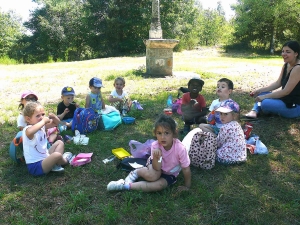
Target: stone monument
159 51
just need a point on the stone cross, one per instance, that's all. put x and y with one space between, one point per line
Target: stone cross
155 31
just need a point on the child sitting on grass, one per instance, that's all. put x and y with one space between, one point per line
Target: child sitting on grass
94 100
119 97
67 107
231 140
193 105
224 89
39 159
168 158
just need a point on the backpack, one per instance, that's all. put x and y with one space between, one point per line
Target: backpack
203 149
85 120
16 148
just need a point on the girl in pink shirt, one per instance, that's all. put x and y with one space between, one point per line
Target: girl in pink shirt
168 158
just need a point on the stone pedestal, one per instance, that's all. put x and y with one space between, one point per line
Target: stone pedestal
159 56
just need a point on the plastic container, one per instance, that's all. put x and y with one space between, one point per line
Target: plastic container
120 153
128 120
168 111
170 101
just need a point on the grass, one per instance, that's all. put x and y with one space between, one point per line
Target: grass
265 190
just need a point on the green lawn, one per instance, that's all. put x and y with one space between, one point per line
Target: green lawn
265 190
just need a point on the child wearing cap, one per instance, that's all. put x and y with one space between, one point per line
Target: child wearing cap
231 140
67 107
94 100
224 89
119 97
26 96
193 105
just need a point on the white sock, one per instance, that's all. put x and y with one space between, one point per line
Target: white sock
132 177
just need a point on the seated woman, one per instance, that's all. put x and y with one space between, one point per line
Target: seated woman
284 102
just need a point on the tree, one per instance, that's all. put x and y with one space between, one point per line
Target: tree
10 31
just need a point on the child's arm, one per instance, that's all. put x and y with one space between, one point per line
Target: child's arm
30 131
187 179
62 115
54 121
103 103
111 99
87 101
156 157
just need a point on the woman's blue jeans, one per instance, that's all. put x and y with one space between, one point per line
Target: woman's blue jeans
276 106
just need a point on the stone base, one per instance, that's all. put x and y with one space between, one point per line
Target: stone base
159 56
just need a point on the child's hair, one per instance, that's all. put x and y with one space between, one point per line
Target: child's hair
166 122
120 79
201 82
227 81
30 107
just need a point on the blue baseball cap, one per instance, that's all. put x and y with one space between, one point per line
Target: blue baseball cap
96 82
228 106
67 91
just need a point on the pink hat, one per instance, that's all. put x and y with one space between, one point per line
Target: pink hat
26 93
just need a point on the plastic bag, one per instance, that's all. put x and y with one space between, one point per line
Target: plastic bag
140 150
260 147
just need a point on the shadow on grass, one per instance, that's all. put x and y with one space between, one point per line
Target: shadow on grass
264 190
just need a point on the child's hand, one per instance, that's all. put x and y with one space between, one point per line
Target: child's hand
193 101
66 110
156 154
46 120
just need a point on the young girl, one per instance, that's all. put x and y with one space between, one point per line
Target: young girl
94 99
26 96
231 140
38 158
168 157
119 98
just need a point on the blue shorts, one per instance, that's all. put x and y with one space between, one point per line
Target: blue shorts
68 120
171 179
36 168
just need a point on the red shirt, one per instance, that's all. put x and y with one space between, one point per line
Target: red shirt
186 98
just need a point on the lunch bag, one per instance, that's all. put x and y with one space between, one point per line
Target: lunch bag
203 149
110 120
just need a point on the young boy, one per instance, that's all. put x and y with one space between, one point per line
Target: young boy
119 97
224 89
66 108
193 105
94 99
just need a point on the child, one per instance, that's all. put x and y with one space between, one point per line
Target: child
119 98
26 96
39 159
193 105
94 99
168 157
231 140
66 108
224 89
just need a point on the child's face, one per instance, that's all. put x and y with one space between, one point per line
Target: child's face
195 86
67 99
226 117
95 90
37 116
164 137
223 90
119 85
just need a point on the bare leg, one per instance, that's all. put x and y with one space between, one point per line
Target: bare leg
52 138
146 186
56 157
148 173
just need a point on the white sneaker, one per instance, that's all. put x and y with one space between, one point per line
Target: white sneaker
116 185
68 156
57 168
